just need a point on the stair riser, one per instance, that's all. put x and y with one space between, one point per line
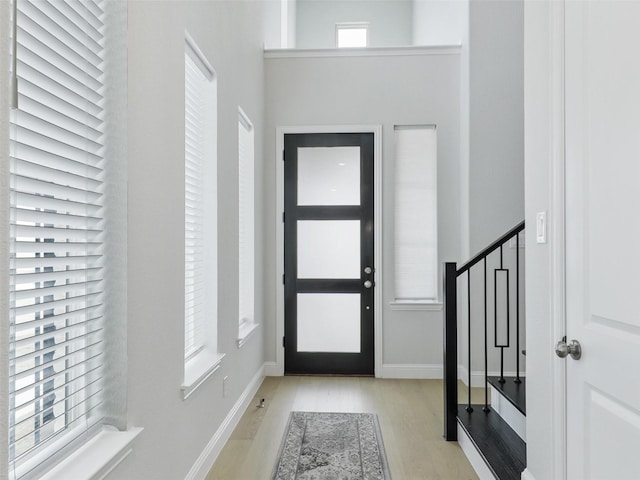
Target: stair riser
509 413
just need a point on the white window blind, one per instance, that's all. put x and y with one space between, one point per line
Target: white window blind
246 219
56 279
199 128
416 213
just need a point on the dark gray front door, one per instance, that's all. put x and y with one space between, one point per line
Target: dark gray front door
329 253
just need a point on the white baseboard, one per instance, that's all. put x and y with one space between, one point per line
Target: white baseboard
271 370
474 457
205 461
477 377
416 371
527 475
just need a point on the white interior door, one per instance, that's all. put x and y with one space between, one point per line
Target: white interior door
603 238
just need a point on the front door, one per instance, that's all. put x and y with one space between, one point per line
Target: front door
329 253
602 75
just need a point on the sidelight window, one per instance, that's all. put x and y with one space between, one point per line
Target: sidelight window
416 214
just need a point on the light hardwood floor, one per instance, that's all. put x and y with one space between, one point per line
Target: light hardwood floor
409 411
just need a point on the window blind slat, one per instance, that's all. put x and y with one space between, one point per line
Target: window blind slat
33 364
94 9
71 55
44 114
87 13
58 276
57 17
45 309
70 349
76 138
84 18
31 185
58 219
90 314
58 249
66 375
59 102
22 264
44 73
84 300
69 183
92 389
36 294
43 143
25 200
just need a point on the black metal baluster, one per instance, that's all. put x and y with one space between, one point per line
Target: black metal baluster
495 288
450 326
469 408
486 347
517 380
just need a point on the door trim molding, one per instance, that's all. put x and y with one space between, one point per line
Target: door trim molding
377 237
557 240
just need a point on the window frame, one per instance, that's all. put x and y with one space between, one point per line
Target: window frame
206 359
430 301
246 228
64 455
343 26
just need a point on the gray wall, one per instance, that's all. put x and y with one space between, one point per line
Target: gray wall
544 158
496 137
386 91
390 21
492 163
231 35
439 22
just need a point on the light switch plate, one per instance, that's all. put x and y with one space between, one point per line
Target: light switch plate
541 227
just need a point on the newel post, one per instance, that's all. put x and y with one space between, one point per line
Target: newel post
450 350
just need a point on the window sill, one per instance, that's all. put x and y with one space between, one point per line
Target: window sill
416 305
245 331
198 369
97 458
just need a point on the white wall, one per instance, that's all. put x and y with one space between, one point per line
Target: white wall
390 21
289 19
496 138
439 22
231 36
544 150
280 15
385 90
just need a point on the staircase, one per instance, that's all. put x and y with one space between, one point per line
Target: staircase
484 310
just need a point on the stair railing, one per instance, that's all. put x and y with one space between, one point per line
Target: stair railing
450 310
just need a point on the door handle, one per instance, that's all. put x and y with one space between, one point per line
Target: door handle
368 284
574 349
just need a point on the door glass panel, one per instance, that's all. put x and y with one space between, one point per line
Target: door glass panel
329 322
329 249
329 176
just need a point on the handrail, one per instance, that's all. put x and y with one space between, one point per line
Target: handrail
491 248
450 346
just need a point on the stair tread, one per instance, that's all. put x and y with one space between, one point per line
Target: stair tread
503 450
512 391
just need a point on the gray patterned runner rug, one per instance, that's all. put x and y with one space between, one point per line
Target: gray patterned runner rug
332 446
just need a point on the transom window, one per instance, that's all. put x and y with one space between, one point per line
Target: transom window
352 35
